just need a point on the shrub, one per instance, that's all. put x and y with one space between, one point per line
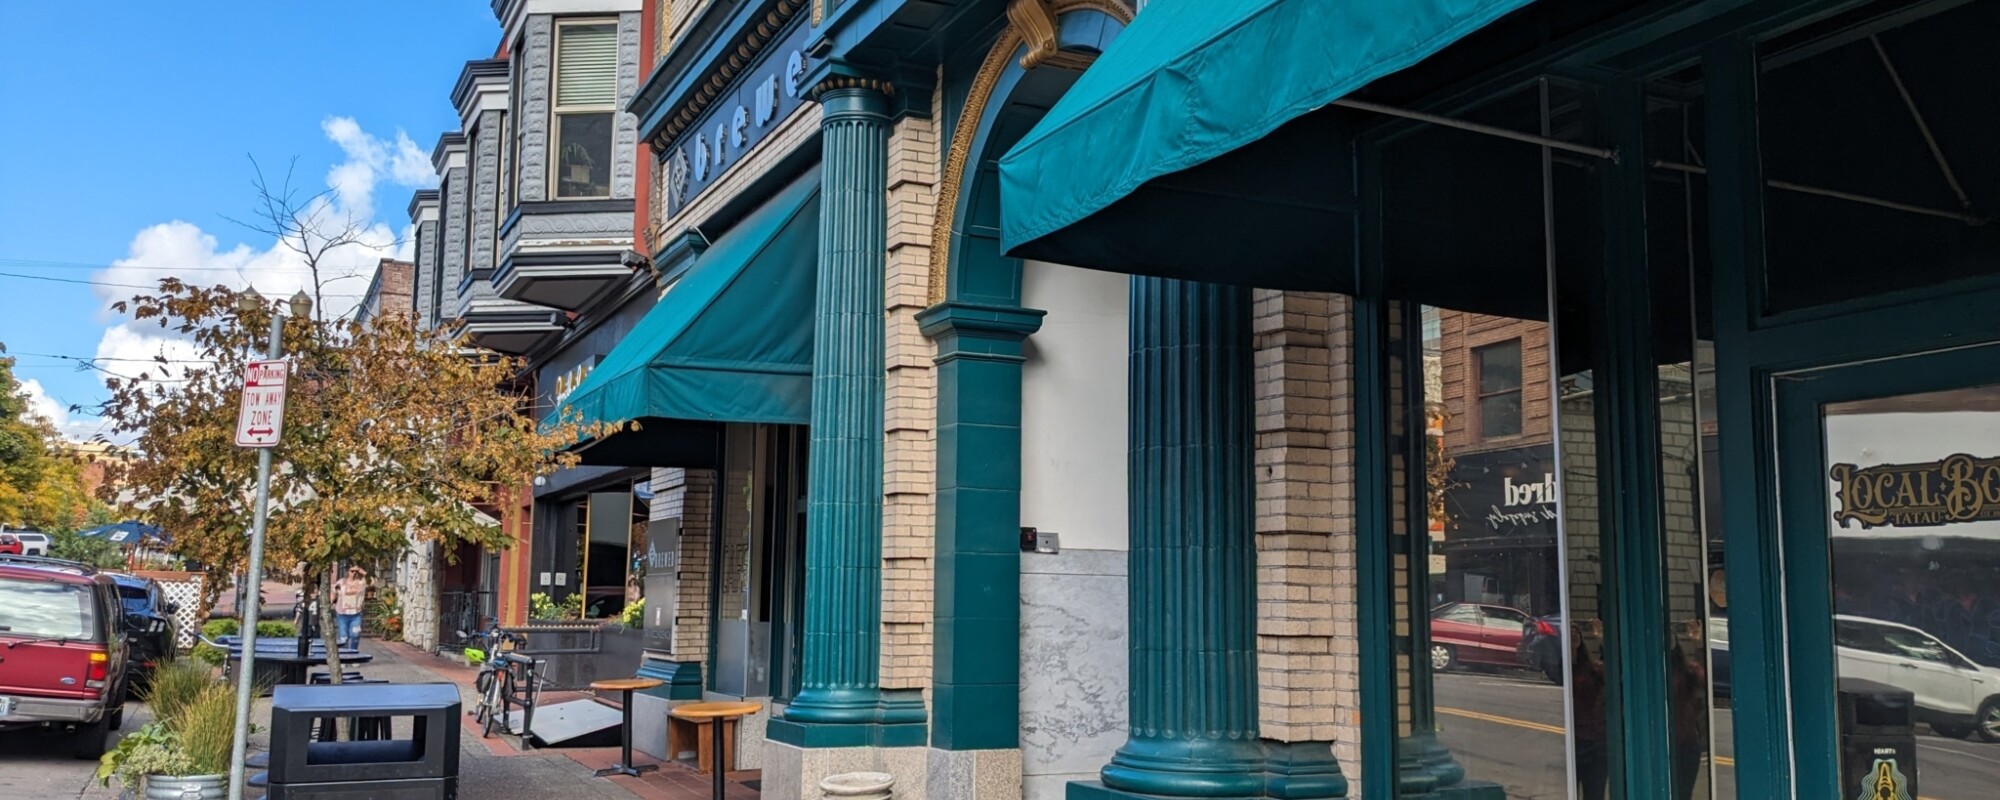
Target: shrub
634 615
543 607
220 627
276 629
176 685
207 728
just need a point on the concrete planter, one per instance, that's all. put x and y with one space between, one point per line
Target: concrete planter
858 786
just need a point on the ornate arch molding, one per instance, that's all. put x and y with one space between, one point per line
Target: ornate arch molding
1033 23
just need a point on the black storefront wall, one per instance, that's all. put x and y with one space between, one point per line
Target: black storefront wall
1499 543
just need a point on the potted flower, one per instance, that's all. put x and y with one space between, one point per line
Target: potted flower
184 754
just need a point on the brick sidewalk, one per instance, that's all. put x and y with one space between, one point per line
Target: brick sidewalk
496 769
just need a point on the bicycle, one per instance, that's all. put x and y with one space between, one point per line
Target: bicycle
486 651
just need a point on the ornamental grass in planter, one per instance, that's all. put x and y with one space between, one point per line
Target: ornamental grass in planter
184 752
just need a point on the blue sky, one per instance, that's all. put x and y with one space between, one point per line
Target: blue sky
125 139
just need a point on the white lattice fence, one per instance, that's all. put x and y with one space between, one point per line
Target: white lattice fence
183 589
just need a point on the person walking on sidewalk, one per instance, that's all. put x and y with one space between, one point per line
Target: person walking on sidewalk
350 594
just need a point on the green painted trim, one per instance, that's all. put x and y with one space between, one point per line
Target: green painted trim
683 679
1302 771
1807 547
1373 498
976 655
1628 452
1757 639
812 735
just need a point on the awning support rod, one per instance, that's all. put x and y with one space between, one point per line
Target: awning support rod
1606 153
1611 154
1839 195
1950 178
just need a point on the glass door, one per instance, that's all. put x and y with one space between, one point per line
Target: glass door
1889 479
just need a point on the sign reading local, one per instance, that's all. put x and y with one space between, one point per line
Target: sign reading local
261 420
1956 488
763 94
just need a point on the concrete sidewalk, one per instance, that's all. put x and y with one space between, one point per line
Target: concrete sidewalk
497 769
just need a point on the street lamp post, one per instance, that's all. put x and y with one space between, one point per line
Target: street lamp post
253 570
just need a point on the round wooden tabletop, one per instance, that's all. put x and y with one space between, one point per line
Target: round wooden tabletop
626 684
701 711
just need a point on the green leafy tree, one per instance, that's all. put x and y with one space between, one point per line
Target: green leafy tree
41 483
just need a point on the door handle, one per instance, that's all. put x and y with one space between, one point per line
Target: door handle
1907 665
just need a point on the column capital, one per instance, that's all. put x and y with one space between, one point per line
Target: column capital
977 331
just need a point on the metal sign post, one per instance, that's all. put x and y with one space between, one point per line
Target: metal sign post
260 424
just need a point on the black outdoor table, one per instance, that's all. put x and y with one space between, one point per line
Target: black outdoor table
287 667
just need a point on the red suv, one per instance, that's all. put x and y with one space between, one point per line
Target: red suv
62 651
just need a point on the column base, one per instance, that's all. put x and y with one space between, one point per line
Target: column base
1287 771
853 718
794 773
974 774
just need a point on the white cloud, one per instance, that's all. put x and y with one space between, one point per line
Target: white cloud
183 250
369 159
42 404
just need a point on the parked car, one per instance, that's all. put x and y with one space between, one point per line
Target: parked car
149 616
62 651
1472 633
33 543
1956 696
1541 647
11 545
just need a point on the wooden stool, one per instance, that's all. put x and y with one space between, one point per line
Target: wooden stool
627 686
719 733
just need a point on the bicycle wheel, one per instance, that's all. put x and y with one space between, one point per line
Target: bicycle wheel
497 715
484 684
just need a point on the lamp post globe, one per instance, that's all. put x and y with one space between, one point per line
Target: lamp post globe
301 305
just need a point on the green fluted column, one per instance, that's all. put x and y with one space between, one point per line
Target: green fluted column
1193 550
840 697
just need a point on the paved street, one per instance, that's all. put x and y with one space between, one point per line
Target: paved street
490 769
1507 727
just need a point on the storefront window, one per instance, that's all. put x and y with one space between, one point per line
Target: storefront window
1913 493
1877 152
1479 578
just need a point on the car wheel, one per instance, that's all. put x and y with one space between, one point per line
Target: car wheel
1988 721
1443 658
87 741
1949 731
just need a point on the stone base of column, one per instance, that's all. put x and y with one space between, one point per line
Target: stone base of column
794 773
1290 771
1426 767
974 774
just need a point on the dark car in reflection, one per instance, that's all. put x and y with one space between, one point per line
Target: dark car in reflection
1542 650
1956 696
1474 634
149 619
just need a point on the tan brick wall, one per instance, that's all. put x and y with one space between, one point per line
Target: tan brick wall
679 14
909 446
690 495
1461 334
1308 670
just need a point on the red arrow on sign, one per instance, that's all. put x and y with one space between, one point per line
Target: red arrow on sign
259 431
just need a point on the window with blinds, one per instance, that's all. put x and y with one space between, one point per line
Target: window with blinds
586 94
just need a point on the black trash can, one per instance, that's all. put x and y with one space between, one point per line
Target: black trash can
1878 739
423 766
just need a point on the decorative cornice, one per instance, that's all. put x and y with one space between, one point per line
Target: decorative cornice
455 140
981 93
421 198
838 82
474 73
732 65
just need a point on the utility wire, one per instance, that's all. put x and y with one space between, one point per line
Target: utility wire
74 280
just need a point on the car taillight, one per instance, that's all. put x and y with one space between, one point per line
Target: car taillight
99 669
1543 627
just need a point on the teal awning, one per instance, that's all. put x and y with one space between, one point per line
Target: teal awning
1191 81
731 340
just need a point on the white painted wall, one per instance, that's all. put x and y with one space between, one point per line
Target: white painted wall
1073 406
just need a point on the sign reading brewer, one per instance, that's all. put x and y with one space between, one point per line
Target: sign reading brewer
1957 488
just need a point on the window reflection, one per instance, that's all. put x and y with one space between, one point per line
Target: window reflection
1916 591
